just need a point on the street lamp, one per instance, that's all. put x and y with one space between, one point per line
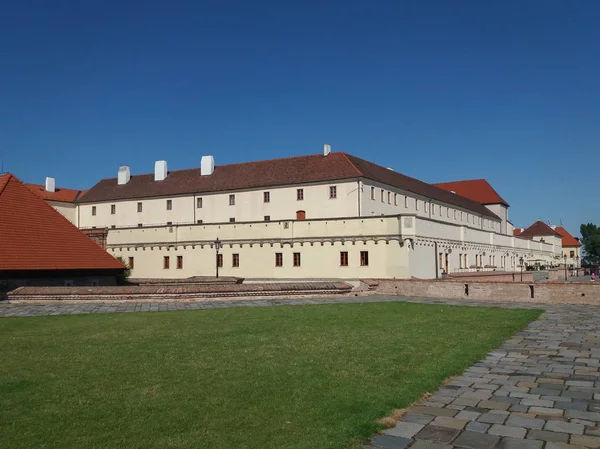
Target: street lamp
577 265
217 247
521 263
565 260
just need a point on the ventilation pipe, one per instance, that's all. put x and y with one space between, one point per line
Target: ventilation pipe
160 170
124 175
326 149
50 185
207 165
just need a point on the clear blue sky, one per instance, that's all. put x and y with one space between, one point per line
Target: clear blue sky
438 90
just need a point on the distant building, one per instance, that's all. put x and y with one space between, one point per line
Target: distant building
63 200
541 232
39 246
571 247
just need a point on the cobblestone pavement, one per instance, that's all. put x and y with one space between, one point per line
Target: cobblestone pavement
539 390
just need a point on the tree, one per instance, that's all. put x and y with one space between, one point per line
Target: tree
590 237
122 277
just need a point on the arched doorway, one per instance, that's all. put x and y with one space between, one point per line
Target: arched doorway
300 215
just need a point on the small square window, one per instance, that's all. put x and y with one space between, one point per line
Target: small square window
93 211
113 209
199 203
199 221
279 259
372 193
235 260
220 260
364 258
343 258
113 226
300 194
267 218
232 220
179 262
166 262
267 197
232 200
297 259
139 207
140 225
131 263
169 223
169 204
332 193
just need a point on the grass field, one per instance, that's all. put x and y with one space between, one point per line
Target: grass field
310 377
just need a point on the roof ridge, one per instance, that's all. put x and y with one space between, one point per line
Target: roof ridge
352 163
8 176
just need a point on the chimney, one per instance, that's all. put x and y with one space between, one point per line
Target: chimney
326 149
390 168
160 170
452 191
207 165
50 185
124 175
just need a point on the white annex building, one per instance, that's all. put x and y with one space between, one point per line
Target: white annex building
329 215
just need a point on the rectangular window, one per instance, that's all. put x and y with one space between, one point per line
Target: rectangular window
417 204
372 193
140 225
232 220
455 214
440 260
199 221
571 254
405 201
364 258
93 211
130 265
235 260
267 218
179 262
267 197
299 194
279 259
169 204
433 209
140 208
296 259
332 193
199 203
166 263
169 223
389 197
448 213
466 261
220 260
232 200
395 199
460 261
381 195
344 258
462 216
113 209
426 206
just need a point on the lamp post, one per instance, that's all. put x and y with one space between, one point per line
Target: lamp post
565 261
521 263
577 265
217 247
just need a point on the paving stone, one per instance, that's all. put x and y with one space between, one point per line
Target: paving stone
547 436
579 383
517 443
417 418
577 394
565 427
573 405
435 411
546 391
558 445
537 403
469 416
527 384
587 441
453 423
389 442
424 444
528 423
478 427
404 429
519 408
545 411
476 440
437 433
494 405
492 418
546 380
467 401
591 416
507 431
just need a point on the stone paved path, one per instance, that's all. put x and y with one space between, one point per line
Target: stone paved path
539 390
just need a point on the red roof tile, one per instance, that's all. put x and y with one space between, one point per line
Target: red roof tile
517 232
567 239
539 228
476 189
33 236
274 172
61 195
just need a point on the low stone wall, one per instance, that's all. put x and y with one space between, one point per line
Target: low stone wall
493 276
544 292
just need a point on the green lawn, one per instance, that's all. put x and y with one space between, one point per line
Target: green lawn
313 377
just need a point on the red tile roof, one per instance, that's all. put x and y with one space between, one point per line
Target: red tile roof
60 195
539 228
476 189
33 236
567 239
517 232
275 172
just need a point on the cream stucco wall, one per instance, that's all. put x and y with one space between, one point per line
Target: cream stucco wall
574 259
67 210
502 212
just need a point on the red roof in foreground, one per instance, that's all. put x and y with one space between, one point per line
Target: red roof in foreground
33 236
567 239
475 189
62 195
539 228
517 232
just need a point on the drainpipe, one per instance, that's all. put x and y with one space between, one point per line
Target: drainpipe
437 269
359 196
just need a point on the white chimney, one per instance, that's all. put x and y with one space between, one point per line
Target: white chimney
50 185
160 170
390 168
452 191
326 149
124 175
207 165
522 229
